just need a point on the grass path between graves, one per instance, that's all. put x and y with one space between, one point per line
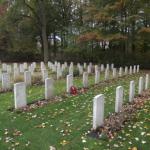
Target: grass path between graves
65 124
36 92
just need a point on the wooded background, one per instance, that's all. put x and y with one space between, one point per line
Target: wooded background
101 31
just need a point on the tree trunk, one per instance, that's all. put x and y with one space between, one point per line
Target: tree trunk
55 44
43 29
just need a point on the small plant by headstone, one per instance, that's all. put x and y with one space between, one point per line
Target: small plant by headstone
73 90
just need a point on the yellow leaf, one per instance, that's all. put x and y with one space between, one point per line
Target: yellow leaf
134 148
64 142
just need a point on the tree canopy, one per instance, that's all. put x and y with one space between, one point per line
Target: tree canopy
64 29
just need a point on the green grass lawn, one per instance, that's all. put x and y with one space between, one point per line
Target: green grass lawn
65 124
36 92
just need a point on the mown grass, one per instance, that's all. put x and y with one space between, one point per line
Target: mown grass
65 124
59 87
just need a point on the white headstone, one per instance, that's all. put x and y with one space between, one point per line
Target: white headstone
102 67
126 70
69 82
15 65
98 111
107 66
147 82
120 72
49 89
78 65
32 68
21 68
106 74
90 64
141 85
59 72
89 69
119 99
112 66
130 70
138 68
43 66
55 63
27 78
97 77
6 81
49 64
65 63
134 69
4 67
25 65
96 68
131 91
16 72
20 95
114 72
71 64
85 79
84 65
81 70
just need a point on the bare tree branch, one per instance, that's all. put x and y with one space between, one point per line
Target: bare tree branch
33 11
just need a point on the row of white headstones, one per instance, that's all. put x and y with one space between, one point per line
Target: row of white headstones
20 68
20 97
56 67
6 81
98 101
29 70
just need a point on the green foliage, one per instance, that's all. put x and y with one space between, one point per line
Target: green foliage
65 73
76 28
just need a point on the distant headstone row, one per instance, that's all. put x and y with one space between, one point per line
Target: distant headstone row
7 75
16 69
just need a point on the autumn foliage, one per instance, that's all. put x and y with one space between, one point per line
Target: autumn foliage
89 36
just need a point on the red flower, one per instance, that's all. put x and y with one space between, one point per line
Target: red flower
73 90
